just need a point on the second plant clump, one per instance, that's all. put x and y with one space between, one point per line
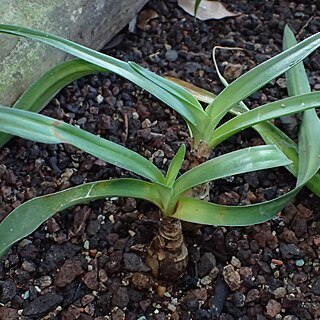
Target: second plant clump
167 254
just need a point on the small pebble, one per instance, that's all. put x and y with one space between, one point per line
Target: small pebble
236 262
146 124
135 115
280 292
273 308
171 55
161 290
26 295
28 266
86 245
299 263
290 317
231 277
172 307
252 295
99 98
238 299
43 282
277 262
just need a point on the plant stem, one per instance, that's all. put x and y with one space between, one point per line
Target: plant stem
167 255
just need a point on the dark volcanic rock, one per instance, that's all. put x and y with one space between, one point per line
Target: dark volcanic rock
2 272
7 290
8 314
42 305
206 264
93 255
120 297
290 250
133 262
316 286
68 272
57 254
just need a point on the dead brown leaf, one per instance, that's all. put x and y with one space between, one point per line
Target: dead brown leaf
145 17
81 216
207 9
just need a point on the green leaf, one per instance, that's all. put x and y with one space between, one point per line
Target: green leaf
269 132
263 113
30 215
187 100
196 6
296 77
236 162
109 63
273 135
175 166
309 133
197 211
257 77
308 148
36 97
169 86
40 128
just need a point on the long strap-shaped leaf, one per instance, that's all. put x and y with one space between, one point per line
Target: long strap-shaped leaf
44 129
30 215
175 166
199 93
109 63
187 99
257 77
197 211
269 132
264 113
42 90
309 133
196 6
236 162
168 86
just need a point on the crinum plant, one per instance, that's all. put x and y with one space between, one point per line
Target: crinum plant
305 155
167 191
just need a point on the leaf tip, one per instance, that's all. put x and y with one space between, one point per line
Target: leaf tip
287 31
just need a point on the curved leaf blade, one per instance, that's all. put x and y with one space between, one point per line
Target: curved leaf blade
197 211
269 133
308 147
236 162
46 87
30 215
196 7
266 112
175 166
189 102
257 77
296 77
169 86
109 63
199 93
309 133
40 128
36 97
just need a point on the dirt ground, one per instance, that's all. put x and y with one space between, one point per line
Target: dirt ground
88 262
